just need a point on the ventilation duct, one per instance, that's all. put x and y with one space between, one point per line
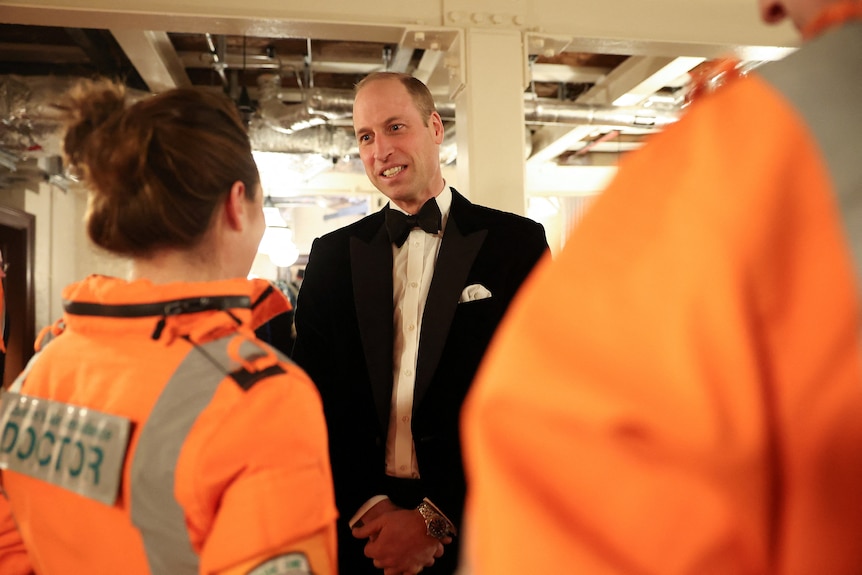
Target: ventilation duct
29 127
327 140
281 117
28 122
556 112
536 111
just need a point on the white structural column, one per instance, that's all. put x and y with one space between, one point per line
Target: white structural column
489 116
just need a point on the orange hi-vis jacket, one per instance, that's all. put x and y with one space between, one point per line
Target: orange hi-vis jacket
680 391
155 434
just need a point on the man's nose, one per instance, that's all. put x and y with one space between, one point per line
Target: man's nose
382 148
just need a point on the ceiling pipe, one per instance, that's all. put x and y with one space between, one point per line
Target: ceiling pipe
339 104
554 112
284 118
32 118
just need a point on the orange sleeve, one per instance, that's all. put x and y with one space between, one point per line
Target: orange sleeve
679 392
313 554
254 475
13 554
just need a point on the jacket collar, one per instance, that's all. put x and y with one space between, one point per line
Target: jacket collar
98 301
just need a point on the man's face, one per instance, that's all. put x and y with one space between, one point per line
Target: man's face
400 153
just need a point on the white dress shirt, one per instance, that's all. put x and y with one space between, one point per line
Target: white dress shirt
412 270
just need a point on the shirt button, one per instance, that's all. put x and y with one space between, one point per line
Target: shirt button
408 373
403 468
413 284
411 327
416 244
405 419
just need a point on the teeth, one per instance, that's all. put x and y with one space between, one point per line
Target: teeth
392 171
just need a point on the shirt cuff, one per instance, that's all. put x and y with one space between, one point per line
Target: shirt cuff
364 509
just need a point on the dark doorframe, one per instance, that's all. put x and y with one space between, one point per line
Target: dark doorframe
17 240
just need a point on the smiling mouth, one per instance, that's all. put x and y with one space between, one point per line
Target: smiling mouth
392 171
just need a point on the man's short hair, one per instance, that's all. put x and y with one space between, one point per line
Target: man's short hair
420 93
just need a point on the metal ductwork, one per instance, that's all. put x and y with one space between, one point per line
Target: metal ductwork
536 111
326 140
287 118
556 112
28 125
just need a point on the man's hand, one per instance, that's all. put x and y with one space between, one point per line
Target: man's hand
383 506
398 541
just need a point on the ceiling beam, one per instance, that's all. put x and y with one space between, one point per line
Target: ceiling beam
154 57
628 84
401 61
638 77
101 51
427 65
565 74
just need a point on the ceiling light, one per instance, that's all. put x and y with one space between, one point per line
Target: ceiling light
278 244
272 214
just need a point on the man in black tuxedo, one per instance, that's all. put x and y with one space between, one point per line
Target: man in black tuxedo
392 324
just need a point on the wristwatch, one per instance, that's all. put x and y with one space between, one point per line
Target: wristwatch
436 523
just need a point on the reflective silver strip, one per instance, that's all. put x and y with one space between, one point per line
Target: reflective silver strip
70 446
823 81
19 381
289 564
154 510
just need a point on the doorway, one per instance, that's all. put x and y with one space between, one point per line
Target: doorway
17 242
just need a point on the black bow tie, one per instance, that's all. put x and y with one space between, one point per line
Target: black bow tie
399 224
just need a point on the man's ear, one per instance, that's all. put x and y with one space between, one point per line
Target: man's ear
437 124
235 206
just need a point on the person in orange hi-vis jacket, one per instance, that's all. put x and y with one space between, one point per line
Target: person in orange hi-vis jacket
680 390
152 433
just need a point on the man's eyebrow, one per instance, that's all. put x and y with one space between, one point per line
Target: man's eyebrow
386 122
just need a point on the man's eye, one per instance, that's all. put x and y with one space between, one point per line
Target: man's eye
364 138
396 127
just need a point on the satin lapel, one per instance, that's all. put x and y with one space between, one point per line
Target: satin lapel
371 264
457 254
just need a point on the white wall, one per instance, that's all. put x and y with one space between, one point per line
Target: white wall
63 252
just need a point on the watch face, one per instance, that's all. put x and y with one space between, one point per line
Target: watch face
438 528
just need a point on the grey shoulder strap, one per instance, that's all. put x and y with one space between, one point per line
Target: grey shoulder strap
823 81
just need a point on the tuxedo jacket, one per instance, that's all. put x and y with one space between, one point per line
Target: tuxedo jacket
344 328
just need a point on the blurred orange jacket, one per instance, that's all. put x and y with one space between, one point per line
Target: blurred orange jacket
680 392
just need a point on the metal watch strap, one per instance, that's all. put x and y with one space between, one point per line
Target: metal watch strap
436 524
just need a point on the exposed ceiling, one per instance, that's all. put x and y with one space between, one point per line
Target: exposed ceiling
581 108
286 84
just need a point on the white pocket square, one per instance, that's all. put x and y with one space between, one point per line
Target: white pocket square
474 292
